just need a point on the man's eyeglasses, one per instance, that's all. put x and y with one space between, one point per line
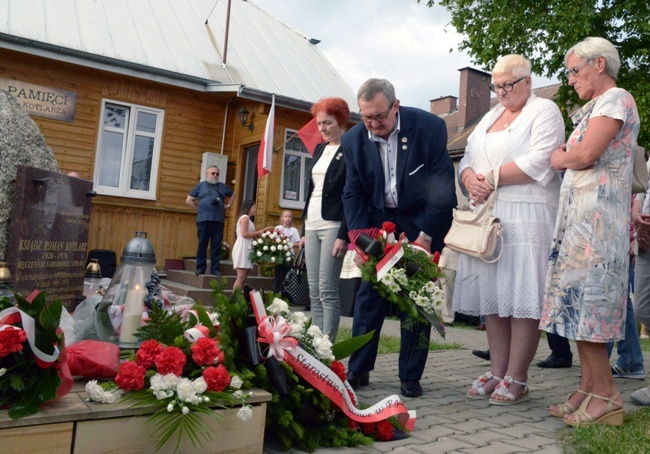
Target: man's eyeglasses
573 71
377 118
214 173
506 87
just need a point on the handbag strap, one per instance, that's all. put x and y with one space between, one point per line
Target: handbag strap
299 257
489 203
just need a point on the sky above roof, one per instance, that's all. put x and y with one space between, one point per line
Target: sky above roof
400 40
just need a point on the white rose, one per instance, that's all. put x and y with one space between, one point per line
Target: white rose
245 413
265 248
273 249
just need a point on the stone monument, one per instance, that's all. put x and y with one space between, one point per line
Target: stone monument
21 143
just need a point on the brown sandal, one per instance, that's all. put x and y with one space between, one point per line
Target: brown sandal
611 417
567 408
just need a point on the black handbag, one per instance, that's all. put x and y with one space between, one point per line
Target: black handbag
295 287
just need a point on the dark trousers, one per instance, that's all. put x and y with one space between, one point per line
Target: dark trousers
280 273
369 313
560 347
209 232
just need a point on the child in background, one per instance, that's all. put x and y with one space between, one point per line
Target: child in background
286 218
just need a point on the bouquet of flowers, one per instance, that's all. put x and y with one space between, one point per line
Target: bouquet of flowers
272 248
404 273
225 250
32 358
306 411
181 373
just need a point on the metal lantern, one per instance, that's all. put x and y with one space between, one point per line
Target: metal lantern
120 313
6 289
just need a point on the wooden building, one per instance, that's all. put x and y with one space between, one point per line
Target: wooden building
132 94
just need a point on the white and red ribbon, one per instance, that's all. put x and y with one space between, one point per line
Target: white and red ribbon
326 381
29 326
275 331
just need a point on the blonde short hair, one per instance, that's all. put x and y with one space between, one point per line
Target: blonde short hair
513 64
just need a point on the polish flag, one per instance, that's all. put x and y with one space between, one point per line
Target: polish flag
265 153
310 136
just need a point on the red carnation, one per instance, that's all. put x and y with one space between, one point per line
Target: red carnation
385 431
388 227
436 257
367 428
130 376
170 361
11 340
388 247
217 378
147 353
339 369
205 351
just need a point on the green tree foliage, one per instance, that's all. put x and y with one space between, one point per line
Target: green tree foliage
543 31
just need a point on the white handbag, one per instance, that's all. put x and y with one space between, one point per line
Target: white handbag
477 234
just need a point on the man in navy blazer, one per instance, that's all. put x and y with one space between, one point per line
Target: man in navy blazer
398 170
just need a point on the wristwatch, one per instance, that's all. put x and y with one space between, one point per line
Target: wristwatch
425 236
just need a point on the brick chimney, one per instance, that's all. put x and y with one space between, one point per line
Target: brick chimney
474 93
443 106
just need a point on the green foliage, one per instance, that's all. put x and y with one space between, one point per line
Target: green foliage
303 419
164 326
544 31
25 386
345 348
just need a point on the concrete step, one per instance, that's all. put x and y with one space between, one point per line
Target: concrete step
225 266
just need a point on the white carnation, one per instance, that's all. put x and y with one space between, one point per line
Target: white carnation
185 389
236 382
265 248
200 385
278 307
245 413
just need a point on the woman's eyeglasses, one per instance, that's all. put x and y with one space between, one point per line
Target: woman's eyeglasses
573 71
508 87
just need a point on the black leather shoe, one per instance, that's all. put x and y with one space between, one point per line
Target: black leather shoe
411 389
198 273
483 354
553 362
356 380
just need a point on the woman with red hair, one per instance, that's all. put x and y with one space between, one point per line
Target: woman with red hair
325 232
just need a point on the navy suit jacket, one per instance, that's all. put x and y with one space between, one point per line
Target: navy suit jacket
426 190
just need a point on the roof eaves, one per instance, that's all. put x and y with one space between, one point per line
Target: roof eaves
103 63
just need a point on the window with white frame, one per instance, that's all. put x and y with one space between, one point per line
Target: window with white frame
128 153
295 170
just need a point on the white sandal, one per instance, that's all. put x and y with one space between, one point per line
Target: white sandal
502 390
478 386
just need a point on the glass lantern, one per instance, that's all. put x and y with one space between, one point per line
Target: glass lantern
119 315
92 278
6 289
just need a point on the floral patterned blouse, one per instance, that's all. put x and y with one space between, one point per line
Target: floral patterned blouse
586 284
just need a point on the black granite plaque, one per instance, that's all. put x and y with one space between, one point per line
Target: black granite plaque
48 233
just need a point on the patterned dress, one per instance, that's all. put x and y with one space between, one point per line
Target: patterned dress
586 283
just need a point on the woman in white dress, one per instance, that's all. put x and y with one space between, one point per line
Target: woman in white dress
241 249
516 139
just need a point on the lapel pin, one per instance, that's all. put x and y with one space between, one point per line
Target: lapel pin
404 147
404 139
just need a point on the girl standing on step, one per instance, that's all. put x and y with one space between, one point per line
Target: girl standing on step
245 233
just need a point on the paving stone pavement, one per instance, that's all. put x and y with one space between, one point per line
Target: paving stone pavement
449 422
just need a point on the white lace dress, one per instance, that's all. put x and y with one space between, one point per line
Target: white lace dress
514 285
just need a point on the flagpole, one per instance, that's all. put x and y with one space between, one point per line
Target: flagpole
285 142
